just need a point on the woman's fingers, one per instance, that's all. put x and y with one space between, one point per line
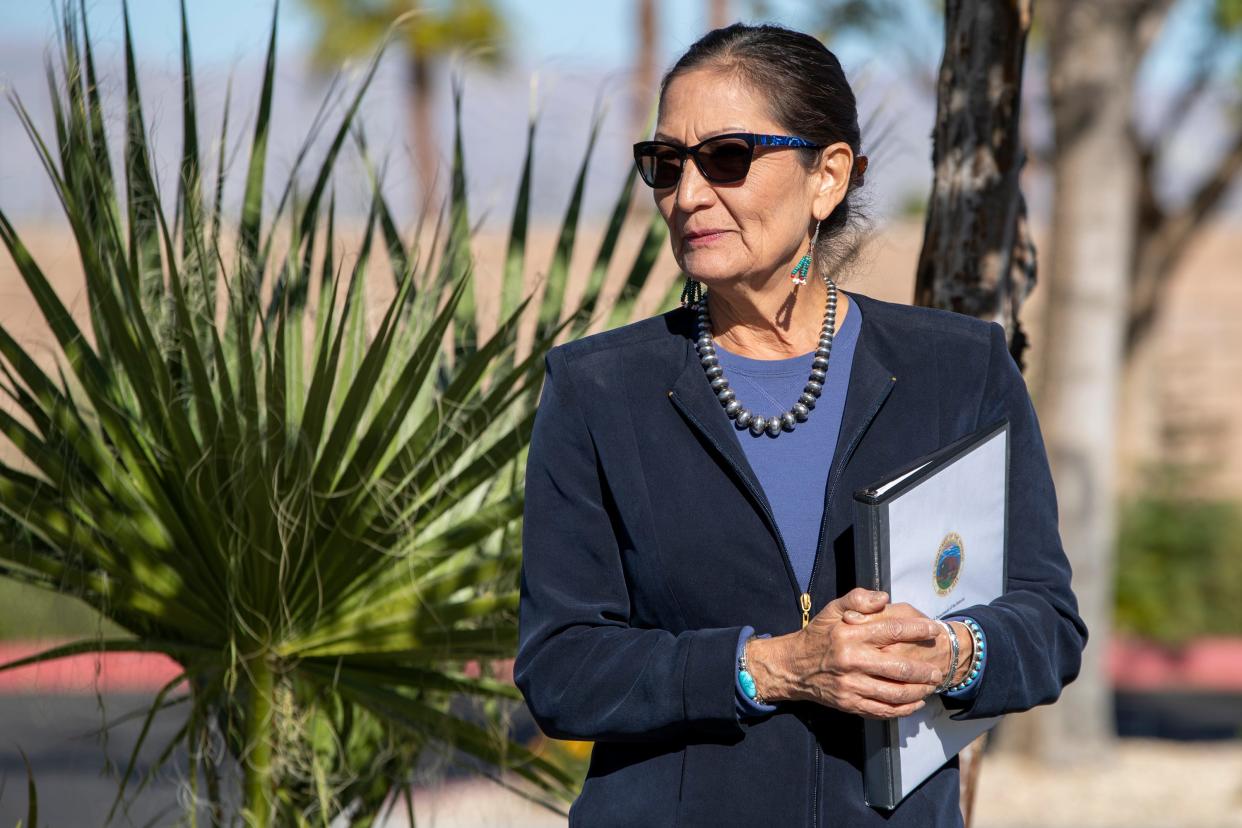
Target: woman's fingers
903 670
860 601
900 610
889 692
877 698
895 630
878 710
864 600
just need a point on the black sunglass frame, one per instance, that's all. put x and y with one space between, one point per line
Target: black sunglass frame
752 140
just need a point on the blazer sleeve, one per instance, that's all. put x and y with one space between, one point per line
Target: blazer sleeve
584 672
1035 636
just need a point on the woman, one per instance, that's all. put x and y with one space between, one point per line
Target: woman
688 487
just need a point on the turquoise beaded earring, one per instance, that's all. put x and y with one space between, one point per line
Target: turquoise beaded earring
803 267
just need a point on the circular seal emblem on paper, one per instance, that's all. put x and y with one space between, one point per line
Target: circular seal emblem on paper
948 563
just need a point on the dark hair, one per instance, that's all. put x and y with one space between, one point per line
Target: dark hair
806 93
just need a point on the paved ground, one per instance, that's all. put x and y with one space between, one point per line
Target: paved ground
1150 783
57 734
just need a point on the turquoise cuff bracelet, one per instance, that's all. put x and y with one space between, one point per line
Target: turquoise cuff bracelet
976 632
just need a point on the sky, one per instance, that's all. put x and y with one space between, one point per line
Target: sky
600 32
223 29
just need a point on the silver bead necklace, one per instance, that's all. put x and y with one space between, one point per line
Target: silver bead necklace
742 417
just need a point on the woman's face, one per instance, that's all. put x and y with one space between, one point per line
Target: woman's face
754 227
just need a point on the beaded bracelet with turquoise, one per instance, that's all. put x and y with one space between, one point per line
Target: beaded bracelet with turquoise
976 632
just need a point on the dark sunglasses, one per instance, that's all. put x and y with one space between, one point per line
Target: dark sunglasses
723 159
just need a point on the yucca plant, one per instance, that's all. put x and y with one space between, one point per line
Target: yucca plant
316 521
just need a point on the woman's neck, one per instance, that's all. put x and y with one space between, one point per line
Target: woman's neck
772 324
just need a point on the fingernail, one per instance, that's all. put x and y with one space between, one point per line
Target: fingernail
937 677
883 596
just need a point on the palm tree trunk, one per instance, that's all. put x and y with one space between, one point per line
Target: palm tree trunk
971 262
1091 81
422 133
645 62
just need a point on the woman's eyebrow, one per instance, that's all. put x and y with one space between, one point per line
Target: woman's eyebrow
660 136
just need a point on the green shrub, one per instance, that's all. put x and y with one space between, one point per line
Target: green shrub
1179 567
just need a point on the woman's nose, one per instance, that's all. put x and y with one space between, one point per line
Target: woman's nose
693 189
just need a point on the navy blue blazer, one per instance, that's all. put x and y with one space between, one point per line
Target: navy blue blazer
648 543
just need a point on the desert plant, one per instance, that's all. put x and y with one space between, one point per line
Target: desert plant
315 521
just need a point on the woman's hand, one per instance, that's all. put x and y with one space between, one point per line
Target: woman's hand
939 651
881 667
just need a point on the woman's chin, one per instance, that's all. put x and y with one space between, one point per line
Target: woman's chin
707 269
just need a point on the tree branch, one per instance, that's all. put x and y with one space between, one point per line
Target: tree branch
1166 239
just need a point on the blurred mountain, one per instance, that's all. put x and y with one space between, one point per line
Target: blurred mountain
495 109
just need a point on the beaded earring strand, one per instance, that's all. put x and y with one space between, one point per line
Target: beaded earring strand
692 293
798 274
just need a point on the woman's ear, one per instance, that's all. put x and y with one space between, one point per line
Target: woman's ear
833 172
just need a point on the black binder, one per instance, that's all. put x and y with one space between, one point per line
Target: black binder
897 757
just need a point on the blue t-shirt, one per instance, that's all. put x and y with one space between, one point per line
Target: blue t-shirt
793 468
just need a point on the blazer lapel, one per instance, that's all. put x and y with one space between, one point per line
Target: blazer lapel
869 386
692 395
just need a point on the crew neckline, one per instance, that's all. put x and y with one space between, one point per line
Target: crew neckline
785 366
